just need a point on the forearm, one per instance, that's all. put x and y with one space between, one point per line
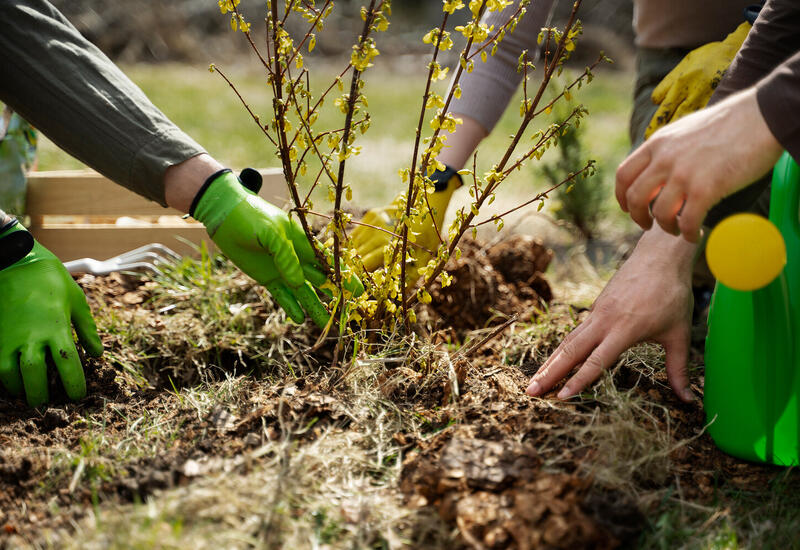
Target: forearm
673 253
462 143
76 96
4 218
183 181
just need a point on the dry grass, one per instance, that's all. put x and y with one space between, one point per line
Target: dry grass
237 436
631 444
202 320
335 492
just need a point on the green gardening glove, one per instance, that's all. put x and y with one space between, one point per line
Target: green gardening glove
265 243
39 304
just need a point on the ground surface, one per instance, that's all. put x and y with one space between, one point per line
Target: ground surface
211 422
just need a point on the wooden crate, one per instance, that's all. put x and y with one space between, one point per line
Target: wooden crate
81 214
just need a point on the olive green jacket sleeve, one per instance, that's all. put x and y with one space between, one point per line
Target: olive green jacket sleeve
69 90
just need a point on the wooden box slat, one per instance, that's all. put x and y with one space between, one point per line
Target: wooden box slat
103 241
80 195
87 193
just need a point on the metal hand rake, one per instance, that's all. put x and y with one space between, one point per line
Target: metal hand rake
147 257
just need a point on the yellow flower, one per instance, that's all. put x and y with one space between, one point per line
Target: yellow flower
362 57
450 6
227 5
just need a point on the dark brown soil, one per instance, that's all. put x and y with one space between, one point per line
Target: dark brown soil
486 462
491 284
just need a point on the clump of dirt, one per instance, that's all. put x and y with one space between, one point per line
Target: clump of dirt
115 289
509 472
521 259
498 496
491 284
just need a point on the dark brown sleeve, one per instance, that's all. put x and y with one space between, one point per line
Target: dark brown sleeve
770 60
779 100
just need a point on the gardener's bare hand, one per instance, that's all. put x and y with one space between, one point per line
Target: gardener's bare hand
649 299
688 166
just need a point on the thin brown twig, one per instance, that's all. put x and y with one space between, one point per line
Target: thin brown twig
337 209
554 130
463 61
489 41
574 83
464 353
252 44
412 172
538 197
529 115
283 147
254 116
549 70
308 33
375 227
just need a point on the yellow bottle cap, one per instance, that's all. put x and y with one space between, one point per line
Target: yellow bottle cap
746 252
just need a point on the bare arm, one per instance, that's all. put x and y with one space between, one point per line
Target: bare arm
183 181
462 143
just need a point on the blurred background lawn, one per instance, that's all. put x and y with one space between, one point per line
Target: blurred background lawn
166 49
204 106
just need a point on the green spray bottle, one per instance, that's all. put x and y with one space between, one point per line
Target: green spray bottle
752 380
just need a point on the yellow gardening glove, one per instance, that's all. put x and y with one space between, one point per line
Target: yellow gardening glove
688 87
370 242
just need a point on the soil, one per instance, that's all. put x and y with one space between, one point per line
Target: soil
491 284
486 462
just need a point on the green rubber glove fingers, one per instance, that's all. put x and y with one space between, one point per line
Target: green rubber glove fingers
350 281
688 87
370 242
40 305
83 322
265 243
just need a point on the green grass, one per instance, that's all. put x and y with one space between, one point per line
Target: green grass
737 519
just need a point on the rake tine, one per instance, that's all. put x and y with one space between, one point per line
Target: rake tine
146 256
143 258
143 251
139 266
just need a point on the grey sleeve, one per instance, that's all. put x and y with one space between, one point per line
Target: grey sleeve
69 90
486 91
